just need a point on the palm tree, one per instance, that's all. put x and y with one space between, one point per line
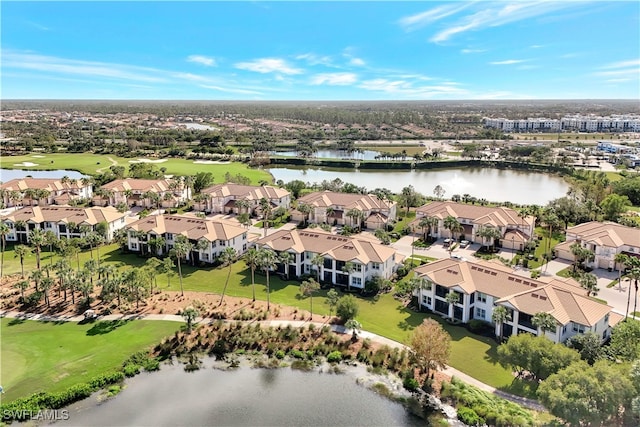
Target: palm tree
252 259
427 223
153 264
354 214
23 285
36 276
190 314
181 249
305 210
355 327
349 268
227 256
21 251
328 212
267 262
451 223
46 285
452 299
545 322
4 230
167 268
51 240
307 288
589 282
243 206
37 239
500 315
157 243
633 264
285 259
620 260
317 261
490 234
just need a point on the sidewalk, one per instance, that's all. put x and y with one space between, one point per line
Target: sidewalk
531 404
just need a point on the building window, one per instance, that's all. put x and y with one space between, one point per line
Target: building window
244 247
134 246
375 266
578 328
481 297
205 256
356 281
480 313
357 267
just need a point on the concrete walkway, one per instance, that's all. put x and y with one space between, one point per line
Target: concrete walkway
452 372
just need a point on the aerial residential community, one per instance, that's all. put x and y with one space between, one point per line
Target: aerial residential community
206 213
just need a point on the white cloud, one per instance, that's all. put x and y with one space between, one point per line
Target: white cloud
52 64
232 90
204 60
621 69
622 64
334 79
536 46
413 22
357 61
497 14
509 62
407 89
618 80
191 77
268 65
467 51
314 59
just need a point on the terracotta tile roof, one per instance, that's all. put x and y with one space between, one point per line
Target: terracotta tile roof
248 192
142 185
341 248
606 234
192 227
50 184
562 298
362 202
483 215
65 214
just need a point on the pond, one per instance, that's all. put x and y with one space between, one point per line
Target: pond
241 397
497 185
335 154
9 174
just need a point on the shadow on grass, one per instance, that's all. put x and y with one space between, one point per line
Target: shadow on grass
413 319
520 387
104 327
16 321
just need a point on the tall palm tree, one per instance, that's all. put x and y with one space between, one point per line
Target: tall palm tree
23 285
349 268
619 261
354 214
4 230
267 262
490 234
545 322
21 251
37 240
252 259
157 243
227 257
153 264
452 224
499 316
45 286
286 258
305 210
427 223
167 268
317 261
181 248
36 276
307 288
265 207
633 264
51 240
452 298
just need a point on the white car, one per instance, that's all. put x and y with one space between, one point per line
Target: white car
464 243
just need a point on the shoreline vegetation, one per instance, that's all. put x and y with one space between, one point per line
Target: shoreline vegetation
306 348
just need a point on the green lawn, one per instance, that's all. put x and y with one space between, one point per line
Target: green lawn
471 354
90 164
38 356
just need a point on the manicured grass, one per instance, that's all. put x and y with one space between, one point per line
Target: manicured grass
38 356
410 150
90 164
403 220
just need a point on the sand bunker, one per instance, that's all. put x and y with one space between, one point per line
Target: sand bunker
37 156
210 162
25 164
148 161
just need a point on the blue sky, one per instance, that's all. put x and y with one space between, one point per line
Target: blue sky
321 50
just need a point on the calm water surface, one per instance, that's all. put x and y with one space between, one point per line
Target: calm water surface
499 185
9 174
336 154
242 397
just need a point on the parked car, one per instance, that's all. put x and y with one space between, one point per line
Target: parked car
447 242
464 243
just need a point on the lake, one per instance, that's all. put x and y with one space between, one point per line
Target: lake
241 397
335 154
498 185
9 174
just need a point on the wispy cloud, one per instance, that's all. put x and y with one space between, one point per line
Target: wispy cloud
509 62
268 65
621 69
498 14
359 62
204 60
52 64
413 22
232 90
622 64
468 51
315 59
37 26
407 89
334 79
536 46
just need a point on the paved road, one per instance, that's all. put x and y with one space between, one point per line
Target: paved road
295 323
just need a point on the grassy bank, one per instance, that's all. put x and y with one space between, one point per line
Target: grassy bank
38 356
91 164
